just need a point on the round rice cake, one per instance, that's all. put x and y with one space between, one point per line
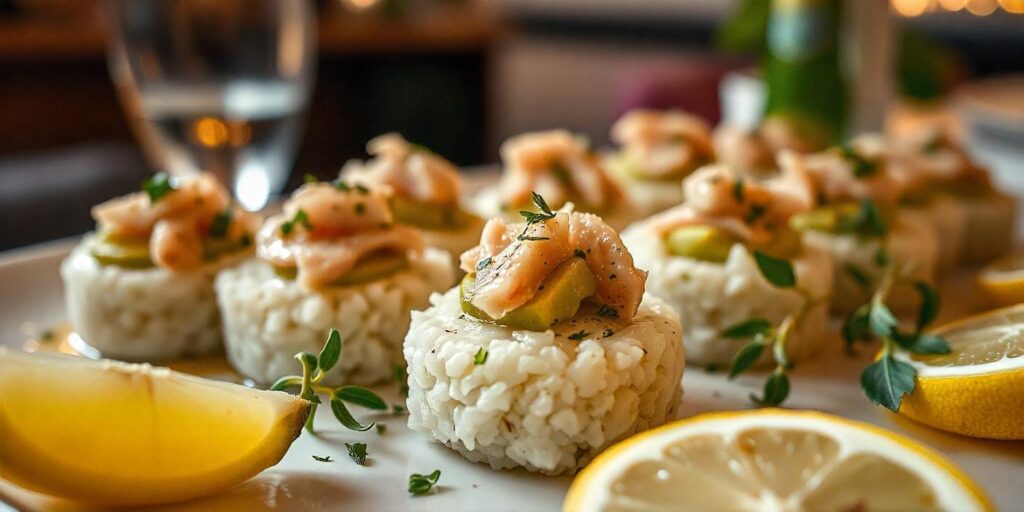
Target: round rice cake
544 401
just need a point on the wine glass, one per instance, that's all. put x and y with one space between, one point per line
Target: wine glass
218 86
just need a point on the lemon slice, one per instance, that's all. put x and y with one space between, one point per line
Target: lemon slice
122 434
1003 280
771 460
976 389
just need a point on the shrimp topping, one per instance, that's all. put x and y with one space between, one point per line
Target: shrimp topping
513 259
931 158
742 148
326 229
558 166
663 144
409 171
749 208
177 222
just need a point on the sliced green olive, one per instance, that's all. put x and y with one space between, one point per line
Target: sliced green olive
429 216
559 298
705 243
121 251
370 268
828 219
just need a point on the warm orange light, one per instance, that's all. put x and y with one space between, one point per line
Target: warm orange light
240 133
361 5
210 132
1014 6
953 5
982 7
910 7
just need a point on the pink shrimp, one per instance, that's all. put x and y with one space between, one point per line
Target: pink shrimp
663 143
409 171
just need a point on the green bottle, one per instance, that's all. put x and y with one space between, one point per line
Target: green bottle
802 69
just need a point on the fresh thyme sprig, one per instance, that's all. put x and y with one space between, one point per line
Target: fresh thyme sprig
535 217
314 368
765 334
887 380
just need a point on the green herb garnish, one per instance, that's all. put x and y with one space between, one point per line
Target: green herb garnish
314 369
482 264
158 186
397 409
402 378
322 459
857 275
579 253
309 178
608 332
861 166
579 335
607 311
480 357
867 223
300 219
357 451
526 238
360 208
534 217
737 190
381 428
422 484
221 222
756 212
777 271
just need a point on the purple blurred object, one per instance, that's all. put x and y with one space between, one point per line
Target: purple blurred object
691 85
48 195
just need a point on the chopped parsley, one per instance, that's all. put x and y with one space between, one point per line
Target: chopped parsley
608 332
221 221
341 185
580 254
857 275
607 311
402 378
357 451
381 428
422 484
322 459
737 190
309 178
360 208
756 212
881 257
867 223
397 409
158 186
300 218
861 167
482 264
480 357
361 189
579 335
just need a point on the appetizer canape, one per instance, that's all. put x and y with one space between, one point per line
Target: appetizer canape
333 258
659 149
141 287
424 191
858 220
950 176
701 257
548 352
560 167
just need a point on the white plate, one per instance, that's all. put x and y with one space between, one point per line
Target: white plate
31 299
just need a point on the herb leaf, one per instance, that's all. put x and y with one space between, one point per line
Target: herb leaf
480 357
322 459
607 311
745 357
887 380
357 451
867 223
542 204
422 484
300 218
930 304
402 378
158 186
309 178
482 264
857 275
361 396
526 238
331 352
748 328
923 343
737 190
777 271
286 382
856 327
861 167
579 335
220 223
345 417
776 389
881 257
882 321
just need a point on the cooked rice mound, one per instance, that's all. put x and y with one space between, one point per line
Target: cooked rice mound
268 319
148 314
711 297
541 400
911 244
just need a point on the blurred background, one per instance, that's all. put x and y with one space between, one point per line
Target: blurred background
460 76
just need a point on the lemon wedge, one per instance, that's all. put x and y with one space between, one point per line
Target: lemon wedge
1003 280
771 459
975 390
112 433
